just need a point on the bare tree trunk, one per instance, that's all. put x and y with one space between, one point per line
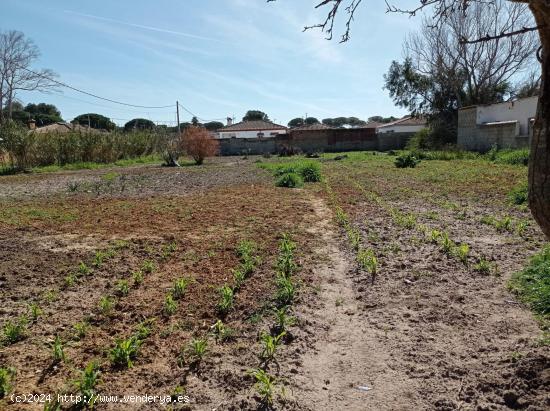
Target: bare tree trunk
539 164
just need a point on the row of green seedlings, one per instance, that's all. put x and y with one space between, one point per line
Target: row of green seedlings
16 331
265 383
366 257
193 353
506 224
460 251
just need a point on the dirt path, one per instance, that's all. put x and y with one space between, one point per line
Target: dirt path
348 353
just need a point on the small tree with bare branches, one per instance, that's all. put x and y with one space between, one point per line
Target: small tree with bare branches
199 144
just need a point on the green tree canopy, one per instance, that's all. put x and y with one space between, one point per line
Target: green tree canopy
213 125
381 119
296 122
139 124
252 115
340 122
44 114
311 120
94 120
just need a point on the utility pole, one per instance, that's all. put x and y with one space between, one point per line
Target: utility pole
178 116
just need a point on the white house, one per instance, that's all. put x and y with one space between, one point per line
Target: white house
507 124
251 129
405 125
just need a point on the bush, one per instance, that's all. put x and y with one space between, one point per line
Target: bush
310 172
420 140
519 194
290 180
406 161
532 285
199 144
513 157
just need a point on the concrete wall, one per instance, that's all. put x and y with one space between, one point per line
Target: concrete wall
250 134
393 141
239 146
520 110
400 129
514 131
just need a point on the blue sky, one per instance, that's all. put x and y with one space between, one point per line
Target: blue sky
219 58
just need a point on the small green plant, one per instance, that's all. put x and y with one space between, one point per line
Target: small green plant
407 221
265 386
282 319
180 285
83 269
483 266
196 350
80 329
6 377
122 287
239 277
169 249
124 352
35 311
50 296
70 280
106 305
221 332
435 236
143 329
226 299
58 350
446 244
354 237
290 180
286 290
100 257
148 266
462 251
406 161
170 305
521 226
137 276
86 383
246 249
519 194
270 345
367 261
504 224
15 331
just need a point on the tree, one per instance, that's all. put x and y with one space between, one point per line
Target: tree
94 120
44 114
139 124
296 122
199 144
252 115
311 120
17 54
340 122
380 119
539 172
213 125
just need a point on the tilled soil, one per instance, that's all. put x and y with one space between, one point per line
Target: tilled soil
430 332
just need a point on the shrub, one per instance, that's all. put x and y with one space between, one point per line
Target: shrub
199 144
519 194
532 284
290 180
420 140
406 161
513 157
310 172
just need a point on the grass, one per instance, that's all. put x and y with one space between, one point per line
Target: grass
80 329
106 305
180 285
35 311
294 173
151 159
196 350
289 180
532 284
170 305
58 350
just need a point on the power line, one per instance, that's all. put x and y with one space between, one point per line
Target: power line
91 94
